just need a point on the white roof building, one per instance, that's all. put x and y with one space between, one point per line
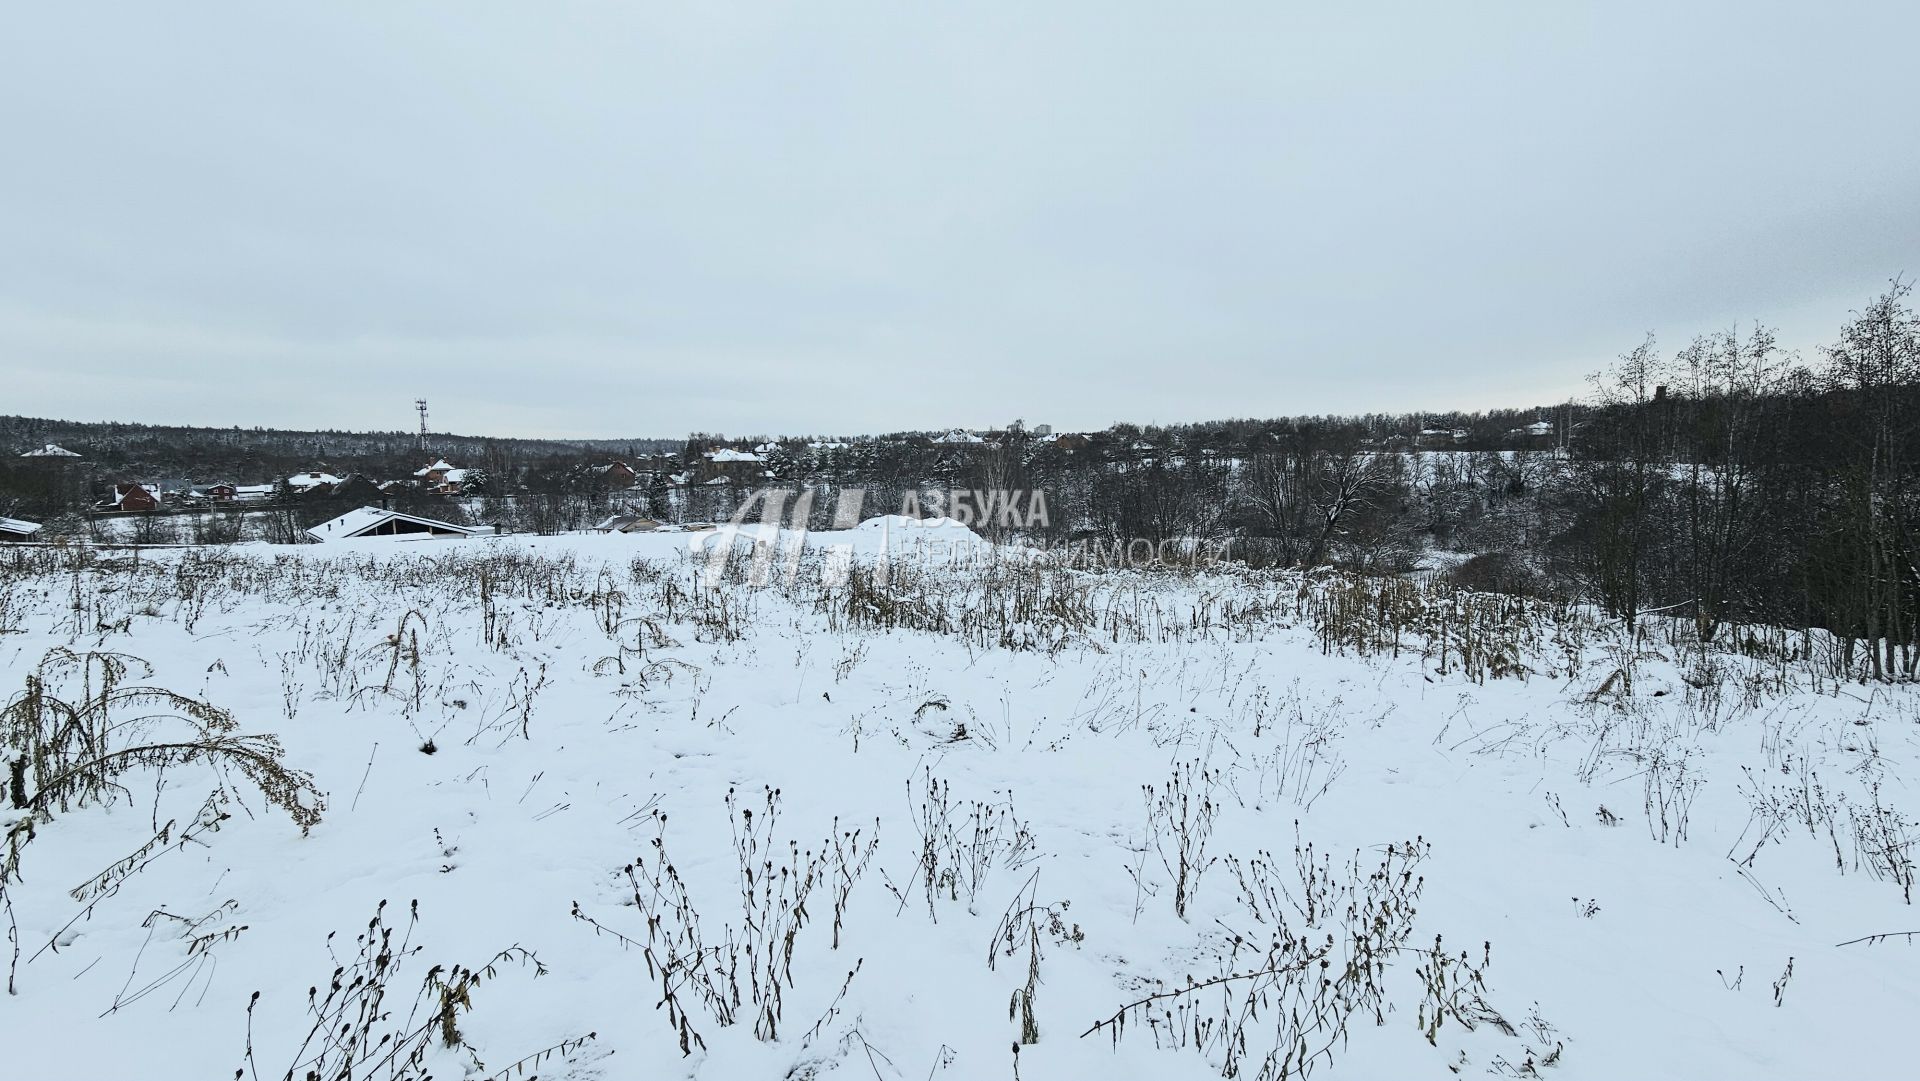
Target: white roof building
376 522
51 450
16 529
300 482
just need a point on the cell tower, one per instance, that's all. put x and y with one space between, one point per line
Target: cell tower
420 407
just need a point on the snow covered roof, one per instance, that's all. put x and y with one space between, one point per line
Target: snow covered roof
441 466
1540 427
311 480
51 450
457 476
374 521
728 454
626 523
958 435
18 527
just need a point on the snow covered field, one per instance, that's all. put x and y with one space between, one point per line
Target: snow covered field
995 820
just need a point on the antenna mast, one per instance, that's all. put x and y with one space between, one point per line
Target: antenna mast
420 406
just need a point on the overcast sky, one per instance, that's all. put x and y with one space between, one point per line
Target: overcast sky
635 218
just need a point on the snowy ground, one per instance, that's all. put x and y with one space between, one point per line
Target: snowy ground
1661 869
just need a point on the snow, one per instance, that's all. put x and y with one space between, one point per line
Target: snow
728 454
51 450
18 526
595 681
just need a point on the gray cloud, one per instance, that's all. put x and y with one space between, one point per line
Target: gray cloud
639 218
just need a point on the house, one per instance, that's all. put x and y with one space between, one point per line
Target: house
301 483
13 529
175 490
431 476
52 450
613 476
220 493
1431 438
1539 435
252 493
627 523
654 465
377 522
133 497
726 465
443 477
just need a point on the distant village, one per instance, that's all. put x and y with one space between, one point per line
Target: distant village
703 481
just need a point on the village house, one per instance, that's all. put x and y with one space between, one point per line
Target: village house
52 452
727 465
379 522
612 476
627 522
133 498
301 483
656 465
442 477
1437 438
15 529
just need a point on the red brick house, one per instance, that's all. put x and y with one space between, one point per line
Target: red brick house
133 497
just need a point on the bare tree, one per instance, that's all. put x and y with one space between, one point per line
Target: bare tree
1345 480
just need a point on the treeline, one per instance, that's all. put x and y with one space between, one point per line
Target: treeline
1729 483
